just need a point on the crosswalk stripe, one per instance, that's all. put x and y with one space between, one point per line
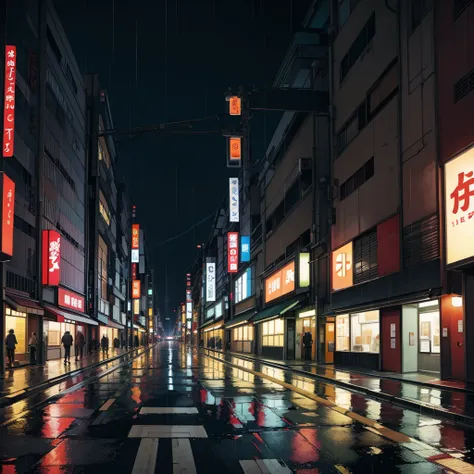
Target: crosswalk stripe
145 462
183 459
169 411
167 431
107 404
264 466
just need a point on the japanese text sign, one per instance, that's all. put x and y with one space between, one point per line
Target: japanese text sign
71 300
235 148
280 283
136 289
8 215
459 207
210 281
51 257
234 199
9 101
235 105
245 248
135 236
341 267
232 252
134 271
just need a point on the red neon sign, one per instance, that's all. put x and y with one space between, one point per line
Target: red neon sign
136 293
9 101
51 257
134 271
8 213
135 236
71 300
232 252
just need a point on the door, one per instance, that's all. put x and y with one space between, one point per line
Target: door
290 339
391 343
330 343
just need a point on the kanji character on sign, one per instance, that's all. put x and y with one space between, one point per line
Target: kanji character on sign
463 192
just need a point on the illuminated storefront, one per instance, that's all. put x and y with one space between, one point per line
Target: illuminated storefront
213 335
16 320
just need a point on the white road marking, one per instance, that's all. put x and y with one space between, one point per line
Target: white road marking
265 466
167 431
107 404
169 411
183 459
145 462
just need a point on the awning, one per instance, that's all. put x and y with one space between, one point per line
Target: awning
216 325
242 318
211 322
277 310
24 304
61 315
113 324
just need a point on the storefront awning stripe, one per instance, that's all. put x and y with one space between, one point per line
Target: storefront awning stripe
241 319
210 322
113 324
71 316
277 310
23 302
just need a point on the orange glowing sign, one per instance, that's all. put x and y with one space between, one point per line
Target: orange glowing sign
280 283
136 289
7 205
235 148
342 267
135 236
235 105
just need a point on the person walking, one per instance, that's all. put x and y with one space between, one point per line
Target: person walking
104 343
79 345
308 343
67 343
32 344
10 344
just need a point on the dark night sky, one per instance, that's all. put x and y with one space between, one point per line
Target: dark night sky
210 45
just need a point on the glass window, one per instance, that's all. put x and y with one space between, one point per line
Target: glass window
103 262
102 152
342 333
429 332
18 324
365 332
273 333
104 208
244 286
54 334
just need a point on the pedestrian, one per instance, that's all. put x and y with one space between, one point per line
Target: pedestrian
67 343
308 343
32 344
79 346
10 344
104 344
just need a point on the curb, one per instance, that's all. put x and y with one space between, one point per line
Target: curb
402 402
20 394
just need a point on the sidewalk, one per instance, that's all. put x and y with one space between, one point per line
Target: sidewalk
456 404
25 377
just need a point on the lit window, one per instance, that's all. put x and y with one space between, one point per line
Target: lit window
342 333
365 332
104 208
273 333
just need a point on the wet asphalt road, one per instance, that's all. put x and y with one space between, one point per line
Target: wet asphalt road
185 412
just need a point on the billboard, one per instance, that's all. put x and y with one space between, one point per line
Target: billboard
232 252
51 254
9 101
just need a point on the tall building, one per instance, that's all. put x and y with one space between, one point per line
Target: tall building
455 105
107 227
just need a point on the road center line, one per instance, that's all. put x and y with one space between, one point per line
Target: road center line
145 462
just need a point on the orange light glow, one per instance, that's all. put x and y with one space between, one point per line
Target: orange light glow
235 148
235 105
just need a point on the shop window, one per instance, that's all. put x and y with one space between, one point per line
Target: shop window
429 329
342 333
17 321
365 332
243 333
273 333
54 333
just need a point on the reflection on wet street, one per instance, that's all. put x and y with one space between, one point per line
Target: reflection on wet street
174 409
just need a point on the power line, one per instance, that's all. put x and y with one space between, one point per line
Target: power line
190 229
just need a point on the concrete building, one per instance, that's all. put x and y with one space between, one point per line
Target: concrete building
386 267
107 228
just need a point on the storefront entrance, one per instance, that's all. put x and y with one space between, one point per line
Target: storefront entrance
304 325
